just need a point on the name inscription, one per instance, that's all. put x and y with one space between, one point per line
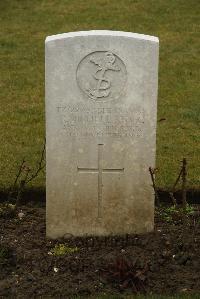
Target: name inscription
80 120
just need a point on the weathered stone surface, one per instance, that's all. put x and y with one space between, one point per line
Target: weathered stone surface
101 93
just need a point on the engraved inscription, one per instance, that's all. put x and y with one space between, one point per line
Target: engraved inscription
100 170
101 76
80 120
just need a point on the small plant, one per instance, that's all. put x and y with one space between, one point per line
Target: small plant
175 213
189 210
24 176
170 213
62 249
126 274
7 210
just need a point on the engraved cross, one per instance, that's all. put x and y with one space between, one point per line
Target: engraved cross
100 170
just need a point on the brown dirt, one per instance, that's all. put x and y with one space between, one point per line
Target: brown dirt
171 256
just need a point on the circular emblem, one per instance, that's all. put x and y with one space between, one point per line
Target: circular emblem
101 76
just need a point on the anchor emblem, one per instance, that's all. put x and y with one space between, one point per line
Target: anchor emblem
103 85
101 75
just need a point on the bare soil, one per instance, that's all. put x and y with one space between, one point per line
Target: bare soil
166 261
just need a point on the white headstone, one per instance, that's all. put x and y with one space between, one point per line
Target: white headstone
101 94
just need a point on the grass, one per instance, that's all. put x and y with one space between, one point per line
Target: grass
190 296
24 26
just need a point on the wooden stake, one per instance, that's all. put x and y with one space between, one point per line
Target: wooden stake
154 185
184 180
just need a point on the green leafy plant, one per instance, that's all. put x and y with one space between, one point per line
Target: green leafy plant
62 249
189 210
174 213
7 210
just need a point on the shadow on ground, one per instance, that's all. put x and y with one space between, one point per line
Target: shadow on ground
39 195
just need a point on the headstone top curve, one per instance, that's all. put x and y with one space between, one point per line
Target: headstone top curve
102 33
